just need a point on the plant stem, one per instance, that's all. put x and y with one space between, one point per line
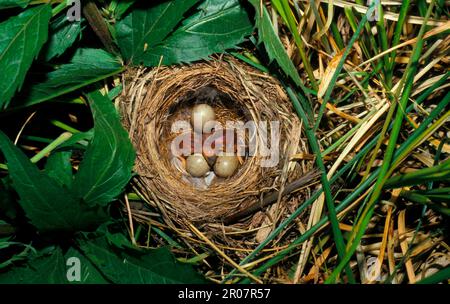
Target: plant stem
59 8
64 126
49 148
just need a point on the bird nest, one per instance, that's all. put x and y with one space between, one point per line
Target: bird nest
261 192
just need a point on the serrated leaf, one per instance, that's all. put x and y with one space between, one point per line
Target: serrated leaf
59 168
21 39
274 47
217 26
19 255
49 206
86 67
62 35
43 268
107 164
13 3
147 26
126 266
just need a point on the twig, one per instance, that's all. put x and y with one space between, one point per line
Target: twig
96 21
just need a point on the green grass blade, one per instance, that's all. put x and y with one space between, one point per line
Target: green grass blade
440 276
362 223
339 240
340 65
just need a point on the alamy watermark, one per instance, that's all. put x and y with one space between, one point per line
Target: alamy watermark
73 273
238 138
74 10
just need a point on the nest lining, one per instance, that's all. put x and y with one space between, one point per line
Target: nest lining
152 98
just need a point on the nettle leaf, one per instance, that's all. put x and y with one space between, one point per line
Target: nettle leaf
217 26
86 67
52 266
49 206
127 266
274 47
44 268
13 3
21 39
147 26
62 35
107 164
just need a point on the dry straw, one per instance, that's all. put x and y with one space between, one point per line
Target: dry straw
147 107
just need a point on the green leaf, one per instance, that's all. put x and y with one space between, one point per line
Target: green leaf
78 138
434 203
89 274
43 268
13 3
108 161
274 47
59 168
216 27
63 34
122 7
21 39
149 26
439 173
86 67
18 255
49 206
127 266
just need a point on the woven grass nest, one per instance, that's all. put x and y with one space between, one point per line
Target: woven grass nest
250 200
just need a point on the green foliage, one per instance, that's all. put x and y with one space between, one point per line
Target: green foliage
101 260
89 273
62 34
45 267
59 168
13 3
49 206
120 7
214 28
52 266
87 66
20 255
272 43
146 27
440 172
99 179
107 164
21 39
287 14
133 266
